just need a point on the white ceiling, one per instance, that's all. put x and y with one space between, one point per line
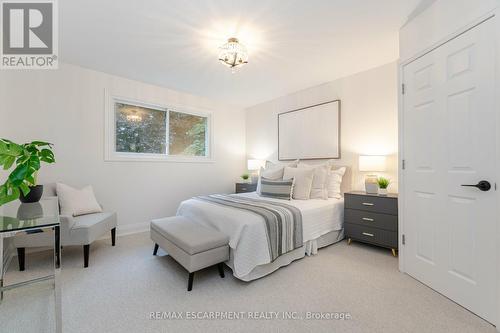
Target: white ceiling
293 44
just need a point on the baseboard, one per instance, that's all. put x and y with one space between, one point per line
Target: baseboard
129 229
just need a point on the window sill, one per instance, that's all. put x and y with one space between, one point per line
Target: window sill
124 157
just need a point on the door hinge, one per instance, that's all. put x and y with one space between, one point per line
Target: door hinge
403 88
403 164
403 240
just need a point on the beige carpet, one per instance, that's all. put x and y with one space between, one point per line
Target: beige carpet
124 284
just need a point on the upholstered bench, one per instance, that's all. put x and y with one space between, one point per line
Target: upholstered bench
193 246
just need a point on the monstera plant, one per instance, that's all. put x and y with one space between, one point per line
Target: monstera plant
26 159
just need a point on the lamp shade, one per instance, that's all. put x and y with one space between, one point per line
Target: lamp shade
255 164
372 163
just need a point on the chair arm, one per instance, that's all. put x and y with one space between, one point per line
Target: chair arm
67 222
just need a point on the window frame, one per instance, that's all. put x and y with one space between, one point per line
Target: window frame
110 132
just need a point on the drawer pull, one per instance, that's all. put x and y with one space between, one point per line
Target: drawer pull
368 234
368 204
368 219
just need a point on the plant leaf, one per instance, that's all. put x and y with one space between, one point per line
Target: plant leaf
47 156
8 161
25 189
6 197
3 189
3 147
40 143
34 162
30 179
15 149
17 176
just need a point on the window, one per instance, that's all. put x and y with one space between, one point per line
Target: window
141 131
187 134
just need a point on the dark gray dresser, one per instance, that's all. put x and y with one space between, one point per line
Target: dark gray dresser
372 218
246 187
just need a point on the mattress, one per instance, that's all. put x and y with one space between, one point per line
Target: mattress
246 231
318 216
310 248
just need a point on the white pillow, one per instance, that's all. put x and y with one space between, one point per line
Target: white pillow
274 171
334 182
74 202
321 174
303 181
292 164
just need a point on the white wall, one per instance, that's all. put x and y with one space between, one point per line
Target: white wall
66 107
368 119
441 19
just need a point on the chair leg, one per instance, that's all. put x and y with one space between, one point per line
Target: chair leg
220 266
21 257
86 249
113 236
190 281
155 251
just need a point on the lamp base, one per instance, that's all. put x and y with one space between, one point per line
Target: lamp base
371 184
254 178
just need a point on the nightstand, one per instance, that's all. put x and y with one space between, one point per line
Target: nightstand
246 187
372 218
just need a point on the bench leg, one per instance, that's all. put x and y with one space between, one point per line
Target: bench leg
21 257
220 266
155 251
190 281
113 237
86 249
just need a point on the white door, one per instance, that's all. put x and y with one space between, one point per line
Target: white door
449 140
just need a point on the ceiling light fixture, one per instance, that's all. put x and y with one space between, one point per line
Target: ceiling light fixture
233 54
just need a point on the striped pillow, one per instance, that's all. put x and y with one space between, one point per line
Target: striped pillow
278 189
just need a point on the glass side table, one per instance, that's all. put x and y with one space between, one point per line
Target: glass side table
43 216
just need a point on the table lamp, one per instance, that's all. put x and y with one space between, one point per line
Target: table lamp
372 164
253 166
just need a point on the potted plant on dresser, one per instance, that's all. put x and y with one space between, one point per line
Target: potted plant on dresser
26 160
245 178
383 184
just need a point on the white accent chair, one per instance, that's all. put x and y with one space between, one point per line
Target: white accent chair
78 230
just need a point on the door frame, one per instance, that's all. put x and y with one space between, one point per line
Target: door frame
493 15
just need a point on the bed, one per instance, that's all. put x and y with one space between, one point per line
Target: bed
250 258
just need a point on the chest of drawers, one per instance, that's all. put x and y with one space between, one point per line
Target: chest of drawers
245 187
372 219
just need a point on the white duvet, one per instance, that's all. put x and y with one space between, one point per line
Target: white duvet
246 230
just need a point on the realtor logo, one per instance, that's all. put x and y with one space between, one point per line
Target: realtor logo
29 34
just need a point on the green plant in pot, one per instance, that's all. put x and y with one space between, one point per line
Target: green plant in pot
26 159
383 184
245 177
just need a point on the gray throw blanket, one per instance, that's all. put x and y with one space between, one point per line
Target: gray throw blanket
283 222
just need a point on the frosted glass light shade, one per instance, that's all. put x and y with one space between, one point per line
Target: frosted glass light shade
372 163
233 54
255 164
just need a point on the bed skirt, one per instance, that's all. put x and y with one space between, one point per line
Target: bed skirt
310 248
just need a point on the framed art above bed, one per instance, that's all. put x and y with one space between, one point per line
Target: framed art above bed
310 133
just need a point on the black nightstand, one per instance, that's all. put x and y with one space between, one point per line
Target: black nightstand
246 187
372 218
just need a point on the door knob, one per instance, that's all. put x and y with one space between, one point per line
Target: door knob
483 185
